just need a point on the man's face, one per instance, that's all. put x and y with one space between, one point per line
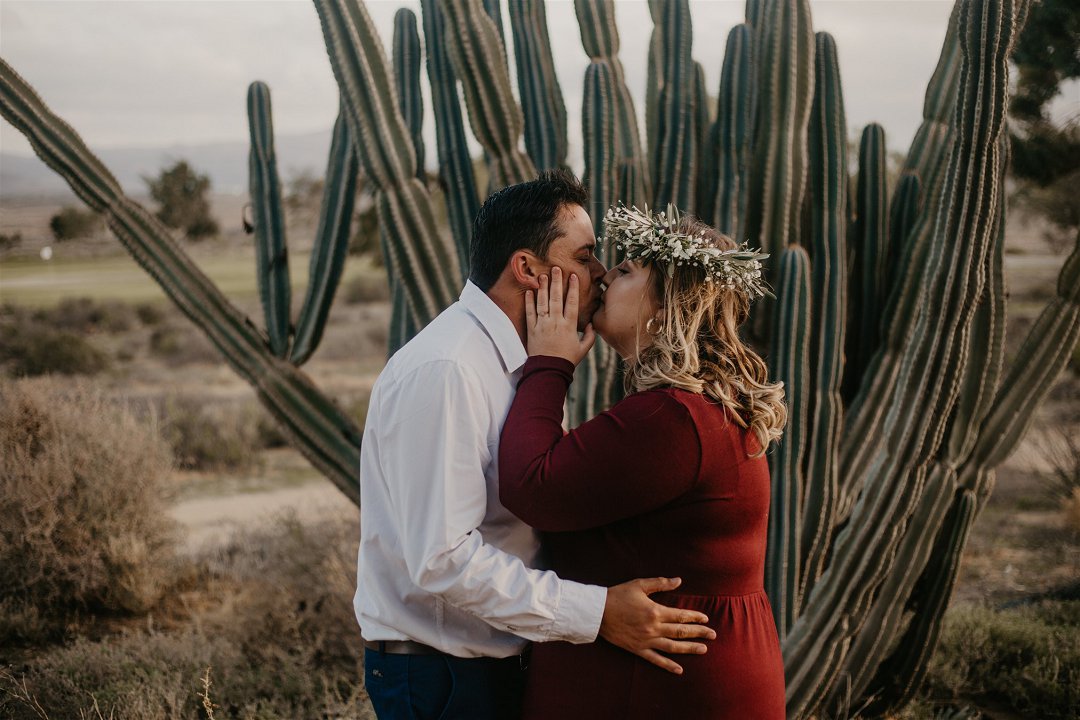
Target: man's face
574 251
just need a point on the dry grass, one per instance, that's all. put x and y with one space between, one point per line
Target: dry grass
270 613
1026 659
82 524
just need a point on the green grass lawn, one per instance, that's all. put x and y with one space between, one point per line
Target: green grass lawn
34 282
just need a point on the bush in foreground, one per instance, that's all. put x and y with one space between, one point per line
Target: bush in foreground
29 346
1026 659
273 624
82 528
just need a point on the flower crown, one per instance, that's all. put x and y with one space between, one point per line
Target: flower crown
652 237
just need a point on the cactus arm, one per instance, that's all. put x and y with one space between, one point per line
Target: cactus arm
417 253
903 213
600 40
734 130
676 152
455 165
789 364
479 61
271 254
829 191
599 128
1040 359
895 679
494 10
328 438
985 344
538 86
406 52
331 242
653 81
785 62
870 252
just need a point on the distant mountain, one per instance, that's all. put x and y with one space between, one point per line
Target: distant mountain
226 163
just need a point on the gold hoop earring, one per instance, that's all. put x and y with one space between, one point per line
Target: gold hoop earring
649 327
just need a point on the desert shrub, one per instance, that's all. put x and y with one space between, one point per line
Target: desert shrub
179 344
82 527
149 313
222 436
268 429
10 241
85 315
72 223
1026 658
29 347
366 288
276 630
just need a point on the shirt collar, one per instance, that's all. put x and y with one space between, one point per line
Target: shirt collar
496 324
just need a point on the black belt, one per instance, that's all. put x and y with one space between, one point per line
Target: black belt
401 647
410 647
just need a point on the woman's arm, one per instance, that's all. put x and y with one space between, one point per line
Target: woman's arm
639 455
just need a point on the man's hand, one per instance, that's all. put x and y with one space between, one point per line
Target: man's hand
551 322
635 623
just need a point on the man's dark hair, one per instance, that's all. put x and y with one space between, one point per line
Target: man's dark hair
520 217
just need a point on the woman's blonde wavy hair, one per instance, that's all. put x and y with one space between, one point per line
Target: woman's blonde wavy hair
697 346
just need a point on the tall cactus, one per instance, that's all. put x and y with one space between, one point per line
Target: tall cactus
538 87
455 165
828 245
870 237
406 53
730 140
869 521
271 257
789 364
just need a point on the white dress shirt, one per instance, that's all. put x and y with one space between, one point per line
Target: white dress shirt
441 561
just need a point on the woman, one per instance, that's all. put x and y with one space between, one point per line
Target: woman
672 481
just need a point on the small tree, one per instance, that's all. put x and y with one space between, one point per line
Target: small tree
72 223
181 193
1045 156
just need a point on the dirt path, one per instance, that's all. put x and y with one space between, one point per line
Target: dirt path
212 520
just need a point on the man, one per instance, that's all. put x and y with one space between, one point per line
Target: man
449 586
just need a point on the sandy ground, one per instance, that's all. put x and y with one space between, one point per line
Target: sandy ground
212 520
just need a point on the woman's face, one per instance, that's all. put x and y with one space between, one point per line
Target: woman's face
628 302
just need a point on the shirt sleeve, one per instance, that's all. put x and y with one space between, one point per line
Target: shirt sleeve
641 454
433 456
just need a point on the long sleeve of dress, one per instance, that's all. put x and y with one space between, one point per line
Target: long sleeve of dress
637 456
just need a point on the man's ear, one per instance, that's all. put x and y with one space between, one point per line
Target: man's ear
526 268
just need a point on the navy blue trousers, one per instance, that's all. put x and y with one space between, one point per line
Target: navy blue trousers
443 687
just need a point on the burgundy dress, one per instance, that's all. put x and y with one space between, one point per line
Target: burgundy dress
661 485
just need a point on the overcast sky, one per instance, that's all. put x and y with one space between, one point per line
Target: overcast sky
153 73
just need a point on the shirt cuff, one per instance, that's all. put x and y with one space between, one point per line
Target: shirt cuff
581 608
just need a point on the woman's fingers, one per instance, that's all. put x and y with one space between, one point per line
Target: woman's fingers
530 310
542 296
570 309
556 303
